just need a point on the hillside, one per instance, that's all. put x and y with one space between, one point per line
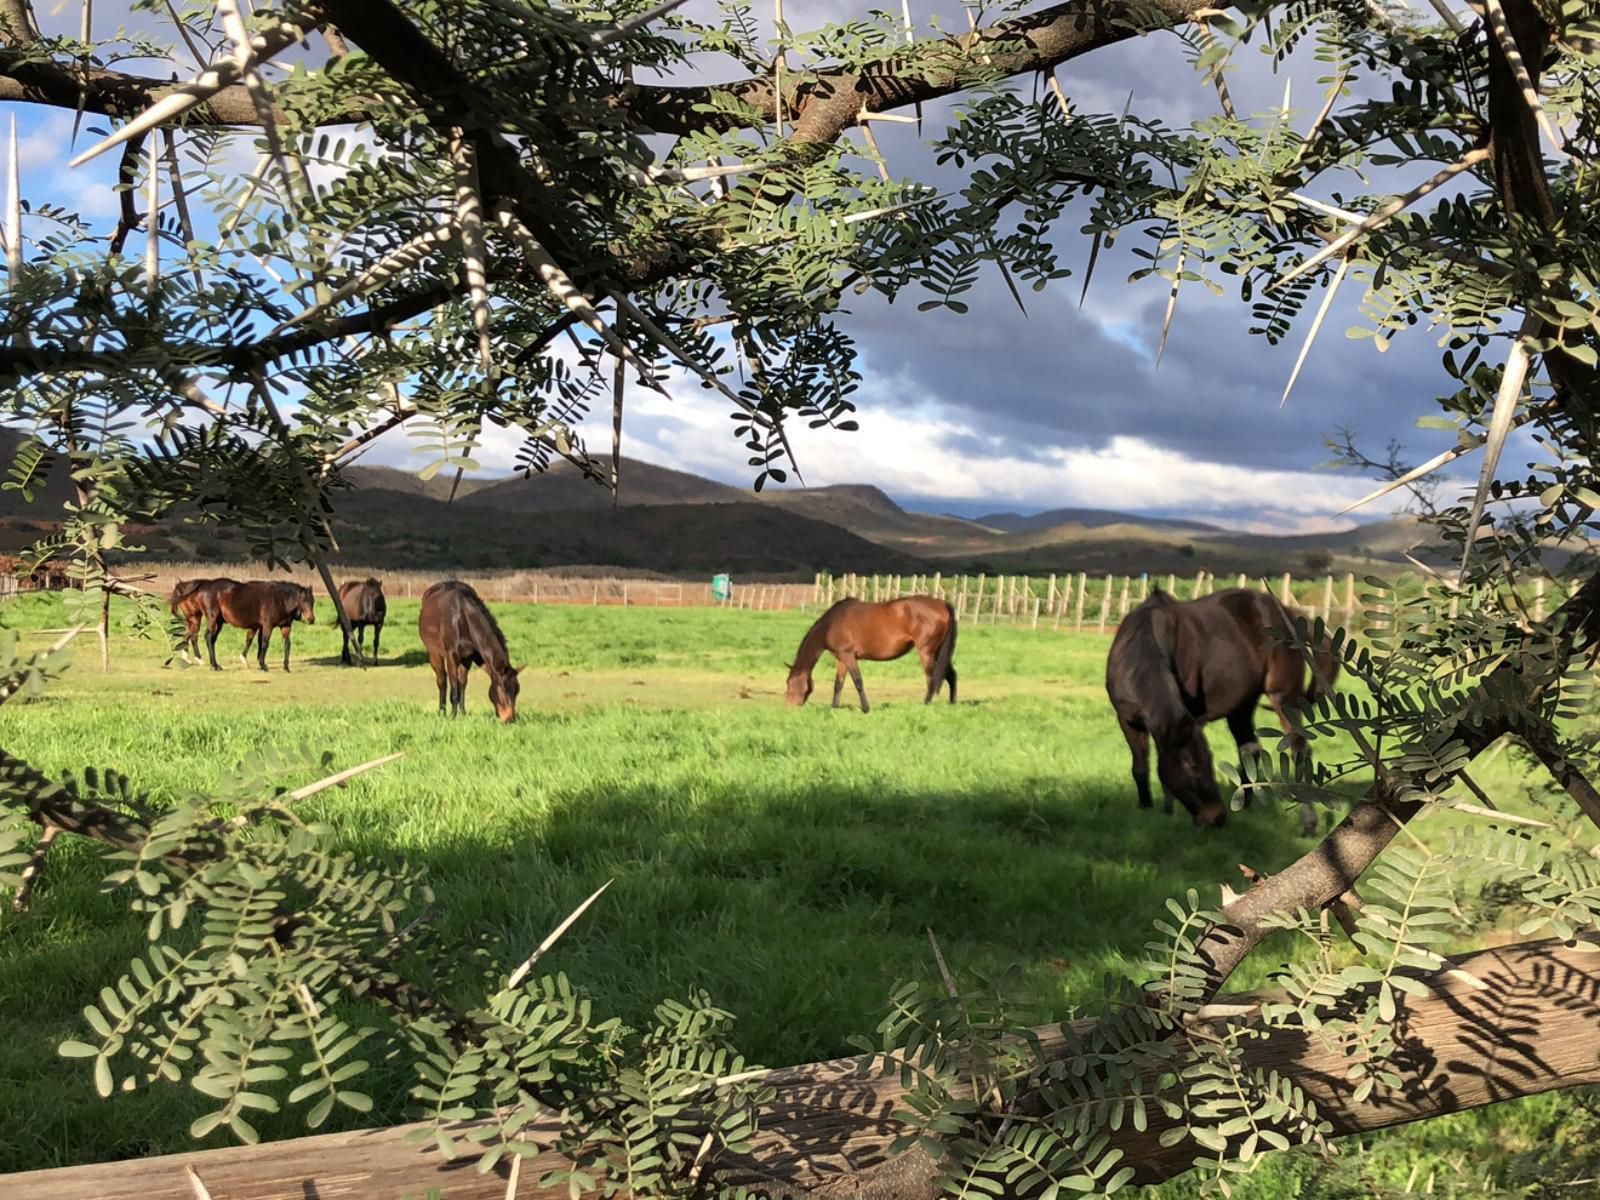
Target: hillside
1087 518
677 523
563 489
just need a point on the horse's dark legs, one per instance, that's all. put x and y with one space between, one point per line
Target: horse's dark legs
1282 702
458 689
263 636
344 654
855 674
249 640
1139 745
950 678
838 680
377 632
286 630
211 642
1242 724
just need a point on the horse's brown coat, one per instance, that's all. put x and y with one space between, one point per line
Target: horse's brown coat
258 607
1175 665
459 633
195 601
364 605
857 629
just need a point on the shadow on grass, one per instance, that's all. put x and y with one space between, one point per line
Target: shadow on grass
797 909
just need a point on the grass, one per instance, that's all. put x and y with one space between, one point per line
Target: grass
788 861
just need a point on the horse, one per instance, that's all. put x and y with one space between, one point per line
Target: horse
857 629
364 605
258 607
460 633
1175 665
195 600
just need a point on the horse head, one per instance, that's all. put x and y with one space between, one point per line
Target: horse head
799 690
1183 761
308 604
503 689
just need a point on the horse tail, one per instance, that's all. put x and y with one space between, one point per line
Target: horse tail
947 650
181 591
1156 685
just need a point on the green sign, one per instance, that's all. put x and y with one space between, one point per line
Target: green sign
721 587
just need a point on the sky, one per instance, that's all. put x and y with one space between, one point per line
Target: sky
995 410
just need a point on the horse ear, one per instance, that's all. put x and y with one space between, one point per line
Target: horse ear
519 668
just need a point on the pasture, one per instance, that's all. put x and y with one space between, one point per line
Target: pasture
788 861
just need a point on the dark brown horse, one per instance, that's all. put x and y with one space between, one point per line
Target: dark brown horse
364 605
259 607
460 633
1174 666
855 629
195 600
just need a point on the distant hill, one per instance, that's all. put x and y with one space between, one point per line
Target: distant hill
390 479
676 523
563 489
1088 518
751 540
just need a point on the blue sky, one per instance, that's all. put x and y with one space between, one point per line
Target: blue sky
994 410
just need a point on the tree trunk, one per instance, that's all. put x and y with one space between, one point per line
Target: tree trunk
1532 1029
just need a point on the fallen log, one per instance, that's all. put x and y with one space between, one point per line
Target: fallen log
1533 1026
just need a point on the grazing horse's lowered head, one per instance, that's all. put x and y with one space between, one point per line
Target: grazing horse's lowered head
799 689
503 689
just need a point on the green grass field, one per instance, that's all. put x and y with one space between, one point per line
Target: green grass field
788 861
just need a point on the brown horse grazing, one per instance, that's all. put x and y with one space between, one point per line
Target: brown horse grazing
1174 666
364 605
259 607
855 629
460 633
195 600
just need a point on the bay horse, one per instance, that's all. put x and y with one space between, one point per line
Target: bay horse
857 629
1175 665
460 633
258 607
364 605
195 600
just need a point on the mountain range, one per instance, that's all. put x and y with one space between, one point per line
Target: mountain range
674 523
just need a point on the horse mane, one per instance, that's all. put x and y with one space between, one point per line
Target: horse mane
811 646
481 625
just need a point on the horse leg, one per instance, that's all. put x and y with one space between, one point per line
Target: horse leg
1242 724
249 640
929 657
344 654
855 675
950 678
286 630
263 636
1283 701
211 642
377 632
436 661
838 679
1139 745
461 687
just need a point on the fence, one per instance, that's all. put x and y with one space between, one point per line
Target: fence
1075 602
1082 601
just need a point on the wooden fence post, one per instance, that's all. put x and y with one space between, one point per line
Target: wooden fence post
1077 609
1350 598
1172 585
1241 579
1105 604
1287 594
1327 599
1061 602
1036 603
1144 587
938 584
1199 580
1538 598
1050 593
1122 608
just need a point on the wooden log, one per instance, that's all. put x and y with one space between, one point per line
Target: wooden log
828 1128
